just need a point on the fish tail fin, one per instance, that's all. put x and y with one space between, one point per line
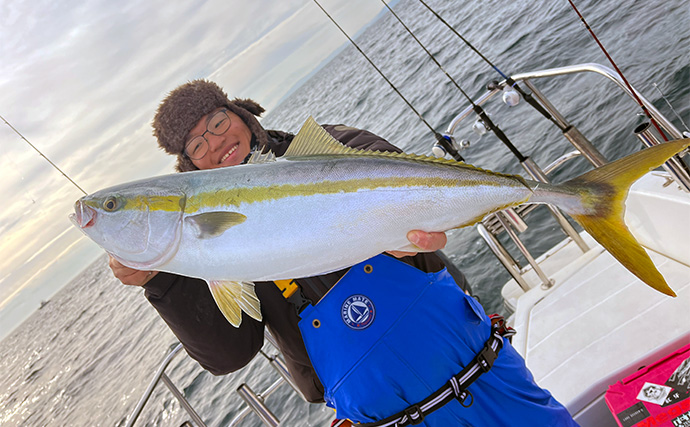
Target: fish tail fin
603 208
233 298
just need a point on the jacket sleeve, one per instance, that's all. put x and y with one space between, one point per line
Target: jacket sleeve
188 308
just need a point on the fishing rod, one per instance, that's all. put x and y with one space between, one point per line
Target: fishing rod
490 125
444 141
509 80
527 163
620 73
43 155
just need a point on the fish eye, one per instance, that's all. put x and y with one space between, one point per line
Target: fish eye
111 204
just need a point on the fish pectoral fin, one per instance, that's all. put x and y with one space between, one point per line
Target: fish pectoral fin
233 298
213 224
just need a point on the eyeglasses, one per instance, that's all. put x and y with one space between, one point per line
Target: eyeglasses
197 147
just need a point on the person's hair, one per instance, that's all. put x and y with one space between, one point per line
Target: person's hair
185 105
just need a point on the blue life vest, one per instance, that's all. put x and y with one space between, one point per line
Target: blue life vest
387 335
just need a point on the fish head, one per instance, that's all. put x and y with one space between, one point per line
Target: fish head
139 225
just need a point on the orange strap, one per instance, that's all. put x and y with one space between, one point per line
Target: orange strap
287 286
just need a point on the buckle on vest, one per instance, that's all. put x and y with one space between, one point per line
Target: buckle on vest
414 410
499 325
486 358
463 398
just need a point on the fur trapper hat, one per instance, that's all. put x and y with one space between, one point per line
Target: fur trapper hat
184 106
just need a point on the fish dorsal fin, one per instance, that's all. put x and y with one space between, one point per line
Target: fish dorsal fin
213 224
259 157
313 140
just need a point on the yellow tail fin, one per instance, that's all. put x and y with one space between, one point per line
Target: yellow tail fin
606 189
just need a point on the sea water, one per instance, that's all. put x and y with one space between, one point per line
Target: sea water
85 358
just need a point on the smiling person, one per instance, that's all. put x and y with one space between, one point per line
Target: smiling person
231 144
200 125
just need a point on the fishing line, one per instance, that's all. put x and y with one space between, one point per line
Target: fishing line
620 73
671 106
43 155
477 109
509 81
440 138
431 56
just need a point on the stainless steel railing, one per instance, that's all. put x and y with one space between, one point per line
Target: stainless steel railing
255 401
503 221
510 221
679 173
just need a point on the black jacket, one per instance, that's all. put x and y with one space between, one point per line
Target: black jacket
188 308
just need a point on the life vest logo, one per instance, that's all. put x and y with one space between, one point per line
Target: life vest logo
358 312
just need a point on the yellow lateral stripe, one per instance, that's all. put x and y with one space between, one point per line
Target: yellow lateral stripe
237 196
156 203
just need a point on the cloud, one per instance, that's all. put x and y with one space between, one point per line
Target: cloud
82 80
291 50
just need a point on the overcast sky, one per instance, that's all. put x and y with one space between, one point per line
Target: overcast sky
81 81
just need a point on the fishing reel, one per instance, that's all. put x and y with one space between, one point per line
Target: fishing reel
510 96
480 128
440 151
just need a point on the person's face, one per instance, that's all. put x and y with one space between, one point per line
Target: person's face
226 148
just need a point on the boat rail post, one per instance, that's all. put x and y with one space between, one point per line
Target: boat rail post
546 283
279 365
262 396
160 375
535 172
256 403
503 256
674 165
183 401
570 132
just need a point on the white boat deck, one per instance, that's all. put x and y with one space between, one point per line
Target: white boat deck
599 323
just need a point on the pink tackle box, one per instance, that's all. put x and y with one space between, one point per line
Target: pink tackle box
656 395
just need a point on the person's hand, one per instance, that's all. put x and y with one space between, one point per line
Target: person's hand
130 276
426 242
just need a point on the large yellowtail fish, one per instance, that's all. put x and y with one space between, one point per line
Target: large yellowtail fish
323 206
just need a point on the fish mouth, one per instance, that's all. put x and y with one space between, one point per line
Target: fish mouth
84 216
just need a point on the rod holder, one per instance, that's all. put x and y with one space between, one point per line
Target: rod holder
674 165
